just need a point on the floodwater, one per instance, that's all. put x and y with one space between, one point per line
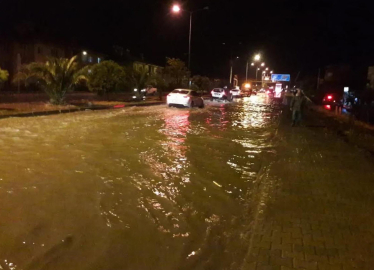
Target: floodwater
138 188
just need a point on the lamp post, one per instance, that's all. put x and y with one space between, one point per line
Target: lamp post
256 58
177 9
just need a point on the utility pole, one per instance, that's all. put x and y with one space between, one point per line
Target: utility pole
246 72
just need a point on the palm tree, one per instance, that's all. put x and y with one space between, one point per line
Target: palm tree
55 77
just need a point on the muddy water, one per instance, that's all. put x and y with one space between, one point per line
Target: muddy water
139 188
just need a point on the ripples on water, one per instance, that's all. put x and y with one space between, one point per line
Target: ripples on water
150 188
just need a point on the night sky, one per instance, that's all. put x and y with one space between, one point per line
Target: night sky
292 36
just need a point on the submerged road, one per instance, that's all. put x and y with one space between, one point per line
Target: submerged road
138 188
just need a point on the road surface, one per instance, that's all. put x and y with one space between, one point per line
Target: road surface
230 186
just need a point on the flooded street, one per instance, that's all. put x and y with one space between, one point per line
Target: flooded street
138 188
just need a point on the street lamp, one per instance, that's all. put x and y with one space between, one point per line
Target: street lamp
271 72
257 57
84 53
266 68
177 9
252 64
262 64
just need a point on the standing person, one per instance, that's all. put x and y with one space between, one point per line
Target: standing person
297 105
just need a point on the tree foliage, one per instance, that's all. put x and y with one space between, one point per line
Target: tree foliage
176 73
201 83
55 77
4 75
104 77
137 79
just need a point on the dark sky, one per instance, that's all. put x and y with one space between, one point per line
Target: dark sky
292 36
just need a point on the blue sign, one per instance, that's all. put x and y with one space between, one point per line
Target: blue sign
280 77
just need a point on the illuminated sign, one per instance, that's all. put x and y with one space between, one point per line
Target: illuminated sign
280 77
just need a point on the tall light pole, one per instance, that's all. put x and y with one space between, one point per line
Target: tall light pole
256 58
177 9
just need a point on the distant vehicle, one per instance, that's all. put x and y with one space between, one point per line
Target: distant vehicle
332 99
262 90
270 91
246 92
149 91
184 97
235 93
221 94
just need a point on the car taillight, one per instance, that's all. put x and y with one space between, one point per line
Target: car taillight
186 96
329 97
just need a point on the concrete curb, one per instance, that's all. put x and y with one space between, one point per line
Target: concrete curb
98 108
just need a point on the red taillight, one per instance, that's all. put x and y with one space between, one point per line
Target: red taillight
328 107
329 97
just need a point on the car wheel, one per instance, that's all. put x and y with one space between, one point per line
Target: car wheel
192 104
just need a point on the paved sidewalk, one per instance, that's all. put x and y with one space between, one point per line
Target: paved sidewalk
316 204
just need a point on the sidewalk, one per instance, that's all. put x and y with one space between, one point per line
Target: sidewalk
315 203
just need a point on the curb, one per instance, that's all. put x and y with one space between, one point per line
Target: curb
119 106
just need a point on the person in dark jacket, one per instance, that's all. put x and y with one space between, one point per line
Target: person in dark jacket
297 105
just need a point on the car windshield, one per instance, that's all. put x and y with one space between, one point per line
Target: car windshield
217 90
179 91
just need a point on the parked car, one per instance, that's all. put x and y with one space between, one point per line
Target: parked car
221 94
235 93
185 97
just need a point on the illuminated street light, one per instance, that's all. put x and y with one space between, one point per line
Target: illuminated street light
257 57
263 71
262 64
271 72
247 85
237 57
84 53
176 9
252 64
258 68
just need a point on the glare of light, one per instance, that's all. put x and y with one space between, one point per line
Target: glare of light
328 107
262 64
258 68
329 97
257 57
237 57
247 85
84 53
271 72
263 71
176 9
252 64
266 68
134 97
135 90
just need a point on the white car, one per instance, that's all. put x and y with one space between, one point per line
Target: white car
235 93
221 93
185 97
